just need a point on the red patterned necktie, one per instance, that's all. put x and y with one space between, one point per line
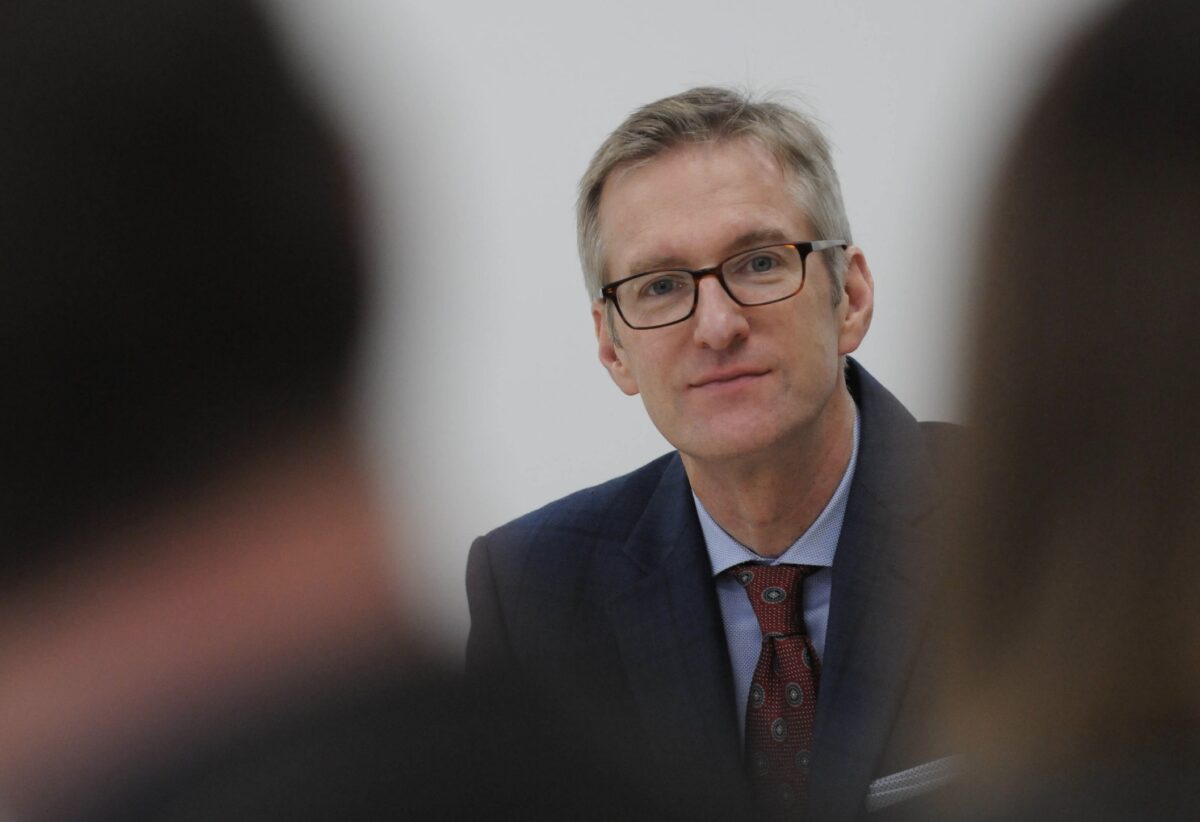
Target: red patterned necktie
783 693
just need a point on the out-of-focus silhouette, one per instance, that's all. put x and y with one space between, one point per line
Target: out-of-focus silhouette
1077 647
196 615
189 533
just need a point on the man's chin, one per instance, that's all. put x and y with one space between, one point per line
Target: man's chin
729 444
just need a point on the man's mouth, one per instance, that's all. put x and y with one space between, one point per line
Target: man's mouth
726 376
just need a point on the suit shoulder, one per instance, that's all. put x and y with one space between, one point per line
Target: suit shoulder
945 441
935 430
608 509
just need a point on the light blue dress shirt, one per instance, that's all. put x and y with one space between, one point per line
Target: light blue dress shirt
816 546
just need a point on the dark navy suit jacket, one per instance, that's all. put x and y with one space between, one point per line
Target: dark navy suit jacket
606 600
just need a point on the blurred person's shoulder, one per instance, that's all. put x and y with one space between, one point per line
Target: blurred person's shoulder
1158 780
415 742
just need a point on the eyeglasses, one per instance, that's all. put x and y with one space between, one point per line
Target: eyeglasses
756 277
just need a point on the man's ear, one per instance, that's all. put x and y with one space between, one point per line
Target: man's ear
612 356
858 301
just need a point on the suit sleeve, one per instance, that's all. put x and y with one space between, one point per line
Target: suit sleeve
488 646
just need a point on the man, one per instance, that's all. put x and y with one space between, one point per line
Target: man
727 293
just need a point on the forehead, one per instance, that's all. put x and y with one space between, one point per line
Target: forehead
693 204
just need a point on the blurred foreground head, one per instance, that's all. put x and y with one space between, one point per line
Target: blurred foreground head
181 284
188 537
1080 635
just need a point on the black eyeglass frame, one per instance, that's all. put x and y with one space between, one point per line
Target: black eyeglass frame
609 291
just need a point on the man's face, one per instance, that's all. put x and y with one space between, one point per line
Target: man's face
730 381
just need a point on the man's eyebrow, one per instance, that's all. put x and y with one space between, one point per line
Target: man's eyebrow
657 263
751 239
759 237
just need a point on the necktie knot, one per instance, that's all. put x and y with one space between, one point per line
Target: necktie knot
774 592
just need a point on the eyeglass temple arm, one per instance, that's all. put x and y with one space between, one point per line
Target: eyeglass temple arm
821 245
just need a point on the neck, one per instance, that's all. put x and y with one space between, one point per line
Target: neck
766 501
195 611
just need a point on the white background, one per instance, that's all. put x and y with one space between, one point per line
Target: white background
471 124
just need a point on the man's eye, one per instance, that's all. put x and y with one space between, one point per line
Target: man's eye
762 263
661 286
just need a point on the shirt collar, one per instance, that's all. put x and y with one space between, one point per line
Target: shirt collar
816 546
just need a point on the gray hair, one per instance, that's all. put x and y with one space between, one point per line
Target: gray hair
709 114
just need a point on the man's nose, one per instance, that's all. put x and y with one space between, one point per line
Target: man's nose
719 321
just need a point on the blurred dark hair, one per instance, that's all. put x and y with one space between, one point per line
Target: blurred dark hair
1076 624
181 280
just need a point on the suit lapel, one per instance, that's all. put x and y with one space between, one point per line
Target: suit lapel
876 604
669 632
